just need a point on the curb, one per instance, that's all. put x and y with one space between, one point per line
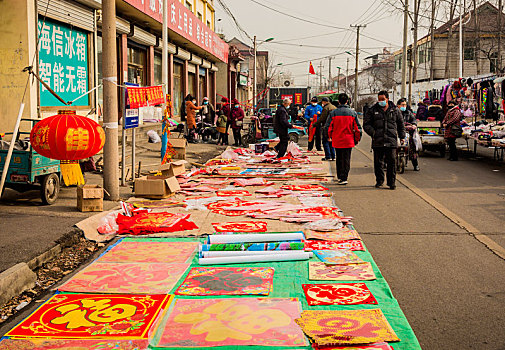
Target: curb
15 280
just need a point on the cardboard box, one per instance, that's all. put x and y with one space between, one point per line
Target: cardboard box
179 147
90 198
156 187
174 168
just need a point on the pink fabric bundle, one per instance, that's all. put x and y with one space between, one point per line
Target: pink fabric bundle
252 182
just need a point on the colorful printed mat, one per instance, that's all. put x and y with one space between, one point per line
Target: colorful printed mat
92 316
374 346
72 344
327 245
150 252
346 327
338 294
338 257
135 278
319 271
232 321
227 281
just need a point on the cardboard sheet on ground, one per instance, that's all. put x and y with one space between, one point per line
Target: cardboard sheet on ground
338 294
328 245
89 225
232 321
92 316
346 233
338 257
241 226
73 344
150 252
319 271
346 327
203 281
135 278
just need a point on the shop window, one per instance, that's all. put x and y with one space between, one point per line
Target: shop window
493 62
469 51
178 92
136 58
192 84
202 88
158 78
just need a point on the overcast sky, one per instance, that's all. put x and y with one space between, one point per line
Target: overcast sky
384 29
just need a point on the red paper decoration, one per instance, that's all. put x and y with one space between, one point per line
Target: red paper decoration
67 136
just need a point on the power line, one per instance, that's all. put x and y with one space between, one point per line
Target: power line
228 11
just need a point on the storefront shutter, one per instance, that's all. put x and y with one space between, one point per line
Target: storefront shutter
140 36
67 12
122 26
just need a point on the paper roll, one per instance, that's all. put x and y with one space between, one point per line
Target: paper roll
254 258
256 237
276 246
216 254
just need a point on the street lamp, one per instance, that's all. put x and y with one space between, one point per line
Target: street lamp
338 80
255 48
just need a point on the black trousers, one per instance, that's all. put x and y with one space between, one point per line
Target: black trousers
316 140
282 146
237 137
388 155
453 151
223 138
343 158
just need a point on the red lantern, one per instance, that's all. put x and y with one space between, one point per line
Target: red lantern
68 137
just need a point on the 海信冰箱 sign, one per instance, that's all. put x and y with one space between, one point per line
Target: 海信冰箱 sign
63 63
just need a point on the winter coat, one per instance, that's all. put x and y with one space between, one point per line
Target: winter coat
343 127
384 126
311 110
435 111
237 114
208 113
321 120
421 111
226 111
221 123
281 121
453 117
191 114
408 117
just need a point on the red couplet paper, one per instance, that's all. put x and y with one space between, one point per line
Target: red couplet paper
328 245
338 294
149 223
241 226
92 316
304 188
231 193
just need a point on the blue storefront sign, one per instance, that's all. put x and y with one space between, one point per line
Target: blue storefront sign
63 63
131 118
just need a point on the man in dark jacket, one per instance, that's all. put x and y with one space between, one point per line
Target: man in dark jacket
384 123
320 123
282 126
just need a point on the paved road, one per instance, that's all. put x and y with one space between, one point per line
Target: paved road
449 284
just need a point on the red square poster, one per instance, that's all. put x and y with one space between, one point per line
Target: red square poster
338 294
92 316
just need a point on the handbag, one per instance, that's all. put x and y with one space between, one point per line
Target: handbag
457 130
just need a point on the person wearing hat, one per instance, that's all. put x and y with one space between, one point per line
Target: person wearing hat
329 151
226 112
435 111
207 112
236 116
312 113
191 109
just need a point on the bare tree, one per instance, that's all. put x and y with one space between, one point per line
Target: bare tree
451 10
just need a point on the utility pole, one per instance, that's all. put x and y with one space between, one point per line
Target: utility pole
358 28
110 102
460 38
404 53
255 86
500 9
432 41
411 65
329 73
338 80
346 75
321 76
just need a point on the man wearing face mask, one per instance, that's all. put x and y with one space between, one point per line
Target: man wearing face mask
281 127
312 113
384 123
410 126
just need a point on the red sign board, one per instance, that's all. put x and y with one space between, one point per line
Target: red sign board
287 96
182 21
298 99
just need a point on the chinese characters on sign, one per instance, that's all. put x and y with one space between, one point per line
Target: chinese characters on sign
63 63
298 99
144 96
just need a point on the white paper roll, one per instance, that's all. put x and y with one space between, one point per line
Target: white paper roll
256 237
216 254
254 258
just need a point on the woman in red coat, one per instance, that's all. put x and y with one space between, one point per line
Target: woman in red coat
453 117
237 119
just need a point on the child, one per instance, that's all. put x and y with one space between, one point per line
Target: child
221 128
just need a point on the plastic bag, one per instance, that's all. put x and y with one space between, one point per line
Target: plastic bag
108 225
153 136
229 154
418 142
294 149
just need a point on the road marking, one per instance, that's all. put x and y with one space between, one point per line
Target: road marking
472 230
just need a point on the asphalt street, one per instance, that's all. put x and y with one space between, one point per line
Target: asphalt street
450 285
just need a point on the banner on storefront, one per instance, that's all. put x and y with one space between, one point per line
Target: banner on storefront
144 96
287 96
63 63
298 99
185 23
